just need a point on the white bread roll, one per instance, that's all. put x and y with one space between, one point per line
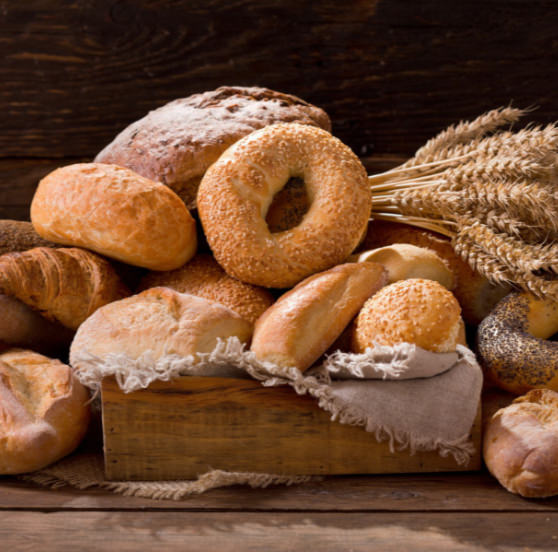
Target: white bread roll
159 320
116 212
404 261
43 411
297 329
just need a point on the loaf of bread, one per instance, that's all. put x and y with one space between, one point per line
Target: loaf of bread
23 327
297 329
18 235
65 285
476 295
404 261
159 321
521 444
203 277
44 412
115 212
417 311
176 143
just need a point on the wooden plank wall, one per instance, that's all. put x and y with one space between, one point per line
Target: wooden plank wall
391 73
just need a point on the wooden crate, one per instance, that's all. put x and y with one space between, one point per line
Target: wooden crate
181 429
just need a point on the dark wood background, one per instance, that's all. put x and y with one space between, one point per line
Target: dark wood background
391 73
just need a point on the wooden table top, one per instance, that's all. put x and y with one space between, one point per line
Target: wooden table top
468 511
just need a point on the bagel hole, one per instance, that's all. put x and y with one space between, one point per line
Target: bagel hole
288 207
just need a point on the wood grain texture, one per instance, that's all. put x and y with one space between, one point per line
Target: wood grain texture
231 532
391 73
449 492
184 428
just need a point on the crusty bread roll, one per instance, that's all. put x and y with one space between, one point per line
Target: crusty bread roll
115 212
160 321
404 261
18 235
476 295
23 327
297 329
65 285
176 143
203 277
44 411
416 311
521 444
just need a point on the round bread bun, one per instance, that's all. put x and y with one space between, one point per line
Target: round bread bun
476 295
176 143
237 190
159 321
520 445
44 411
513 346
116 212
203 277
417 311
403 261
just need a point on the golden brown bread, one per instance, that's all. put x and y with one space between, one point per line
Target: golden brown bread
23 327
403 261
297 329
44 411
513 344
417 311
159 321
476 295
521 444
176 143
236 191
18 235
203 277
65 285
115 212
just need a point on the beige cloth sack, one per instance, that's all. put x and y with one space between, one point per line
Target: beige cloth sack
416 399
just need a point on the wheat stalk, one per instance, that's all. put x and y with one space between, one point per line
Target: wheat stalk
495 193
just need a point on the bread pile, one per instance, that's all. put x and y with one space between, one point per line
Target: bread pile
282 257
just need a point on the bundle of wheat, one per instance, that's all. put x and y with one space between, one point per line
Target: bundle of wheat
493 191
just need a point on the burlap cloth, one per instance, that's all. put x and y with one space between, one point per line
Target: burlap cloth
415 399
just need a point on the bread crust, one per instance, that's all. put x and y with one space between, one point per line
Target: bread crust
237 190
521 444
415 311
65 285
176 143
44 411
297 329
476 295
160 321
203 277
19 235
116 212
513 346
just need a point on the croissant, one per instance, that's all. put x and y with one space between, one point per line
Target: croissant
65 285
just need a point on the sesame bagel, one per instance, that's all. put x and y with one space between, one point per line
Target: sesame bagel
237 190
416 311
513 345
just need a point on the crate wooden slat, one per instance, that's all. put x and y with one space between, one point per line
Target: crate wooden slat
181 429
